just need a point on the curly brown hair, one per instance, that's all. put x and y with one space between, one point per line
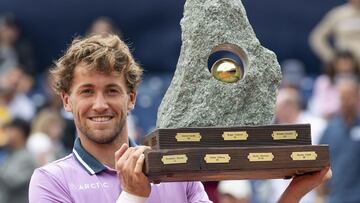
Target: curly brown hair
103 53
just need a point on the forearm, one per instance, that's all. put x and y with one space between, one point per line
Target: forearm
320 38
287 197
301 185
320 44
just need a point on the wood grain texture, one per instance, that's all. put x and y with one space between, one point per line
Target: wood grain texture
213 137
239 166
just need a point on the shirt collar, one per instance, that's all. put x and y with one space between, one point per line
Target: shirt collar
87 161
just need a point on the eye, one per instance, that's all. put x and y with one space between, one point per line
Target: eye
226 63
86 91
113 91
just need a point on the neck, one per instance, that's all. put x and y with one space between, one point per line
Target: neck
105 153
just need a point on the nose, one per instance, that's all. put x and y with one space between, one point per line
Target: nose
100 103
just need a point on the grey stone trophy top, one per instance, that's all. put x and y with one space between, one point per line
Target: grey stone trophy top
195 98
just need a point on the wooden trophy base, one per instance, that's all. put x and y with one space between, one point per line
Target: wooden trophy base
234 163
242 136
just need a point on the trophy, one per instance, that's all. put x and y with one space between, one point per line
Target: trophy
213 122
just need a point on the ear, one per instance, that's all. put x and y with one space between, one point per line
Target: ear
132 100
66 102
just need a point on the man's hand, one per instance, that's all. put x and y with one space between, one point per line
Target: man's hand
303 184
129 163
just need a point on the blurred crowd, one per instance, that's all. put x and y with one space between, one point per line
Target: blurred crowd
35 130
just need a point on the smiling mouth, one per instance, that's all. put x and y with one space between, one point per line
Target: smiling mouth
101 118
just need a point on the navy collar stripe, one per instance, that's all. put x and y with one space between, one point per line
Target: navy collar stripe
86 159
90 163
83 163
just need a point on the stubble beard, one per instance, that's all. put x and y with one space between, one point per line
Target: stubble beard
108 138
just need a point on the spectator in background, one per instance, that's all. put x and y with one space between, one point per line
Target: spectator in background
325 101
343 136
234 191
294 75
4 118
14 48
103 25
13 84
293 72
8 56
18 165
288 111
45 140
342 26
53 103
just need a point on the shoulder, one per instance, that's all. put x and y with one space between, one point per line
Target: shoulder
343 8
334 125
338 12
49 181
55 172
60 166
335 121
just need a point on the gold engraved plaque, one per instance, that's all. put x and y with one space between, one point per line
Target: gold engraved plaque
260 157
188 137
241 135
174 159
304 156
217 158
284 135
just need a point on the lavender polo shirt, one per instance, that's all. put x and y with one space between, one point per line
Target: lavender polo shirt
79 177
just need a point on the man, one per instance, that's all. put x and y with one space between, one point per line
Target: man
18 164
97 80
343 136
288 111
341 26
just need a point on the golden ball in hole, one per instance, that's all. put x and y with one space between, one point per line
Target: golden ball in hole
226 70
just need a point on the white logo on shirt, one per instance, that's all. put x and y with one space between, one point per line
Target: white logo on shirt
89 186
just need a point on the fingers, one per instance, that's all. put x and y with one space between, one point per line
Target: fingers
137 154
130 156
139 164
121 151
127 153
129 169
122 155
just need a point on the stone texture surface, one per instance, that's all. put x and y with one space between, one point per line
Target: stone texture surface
195 98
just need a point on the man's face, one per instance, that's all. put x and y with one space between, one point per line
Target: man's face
287 106
100 104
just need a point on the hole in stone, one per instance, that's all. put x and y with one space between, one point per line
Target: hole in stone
227 63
